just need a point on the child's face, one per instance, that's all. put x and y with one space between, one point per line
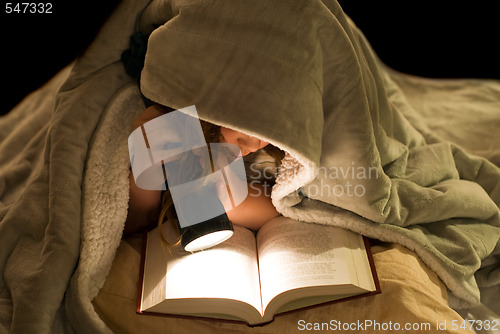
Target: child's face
246 143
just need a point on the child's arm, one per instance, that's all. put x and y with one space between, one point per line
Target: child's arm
255 210
143 208
143 205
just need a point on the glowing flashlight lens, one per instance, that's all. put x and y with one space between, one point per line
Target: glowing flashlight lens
208 240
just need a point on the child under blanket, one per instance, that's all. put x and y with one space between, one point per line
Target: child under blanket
310 85
147 206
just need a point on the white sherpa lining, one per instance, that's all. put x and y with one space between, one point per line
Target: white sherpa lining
106 191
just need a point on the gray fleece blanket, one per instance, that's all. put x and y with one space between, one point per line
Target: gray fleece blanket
363 150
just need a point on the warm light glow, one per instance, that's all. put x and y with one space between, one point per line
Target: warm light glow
208 240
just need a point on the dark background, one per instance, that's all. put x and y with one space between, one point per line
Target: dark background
33 47
441 39
450 39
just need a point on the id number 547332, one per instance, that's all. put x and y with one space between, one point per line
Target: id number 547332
28 8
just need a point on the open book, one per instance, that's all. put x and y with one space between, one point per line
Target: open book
287 266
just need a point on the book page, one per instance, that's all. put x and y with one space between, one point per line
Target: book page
228 271
361 263
295 254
